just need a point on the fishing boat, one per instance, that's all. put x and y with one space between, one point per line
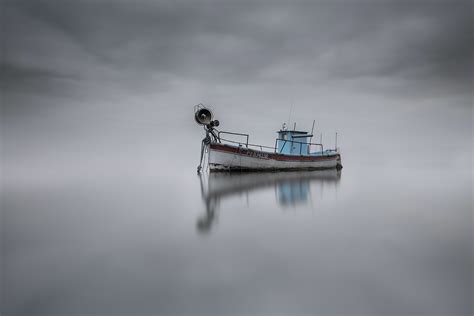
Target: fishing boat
293 149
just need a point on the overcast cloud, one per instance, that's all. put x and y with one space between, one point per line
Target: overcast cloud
423 43
383 73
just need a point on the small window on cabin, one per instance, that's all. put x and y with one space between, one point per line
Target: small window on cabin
285 136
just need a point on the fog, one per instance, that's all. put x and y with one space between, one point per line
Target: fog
97 114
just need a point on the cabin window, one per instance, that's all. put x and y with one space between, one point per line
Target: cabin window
285 136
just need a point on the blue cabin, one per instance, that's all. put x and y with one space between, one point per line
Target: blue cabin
293 142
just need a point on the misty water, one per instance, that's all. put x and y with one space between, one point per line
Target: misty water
368 240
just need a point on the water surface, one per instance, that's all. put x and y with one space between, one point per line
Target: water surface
135 241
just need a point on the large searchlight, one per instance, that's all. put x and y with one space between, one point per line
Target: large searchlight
203 116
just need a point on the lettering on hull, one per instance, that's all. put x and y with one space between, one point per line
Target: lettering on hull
260 155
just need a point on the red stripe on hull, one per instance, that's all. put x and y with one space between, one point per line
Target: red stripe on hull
266 155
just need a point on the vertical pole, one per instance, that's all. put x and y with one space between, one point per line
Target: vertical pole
335 148
321 142
309 144
289 116
294 127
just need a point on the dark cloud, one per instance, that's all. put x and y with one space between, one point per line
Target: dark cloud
14 78
378 71
425 44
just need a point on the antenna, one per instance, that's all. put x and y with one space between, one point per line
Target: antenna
289 115
312 130
335 145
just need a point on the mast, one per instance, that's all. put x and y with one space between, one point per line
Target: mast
312 130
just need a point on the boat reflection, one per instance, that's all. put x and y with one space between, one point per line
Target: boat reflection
291 188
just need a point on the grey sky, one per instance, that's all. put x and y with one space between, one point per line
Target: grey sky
418 42
385 74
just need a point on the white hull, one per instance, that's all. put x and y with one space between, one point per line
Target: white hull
225 158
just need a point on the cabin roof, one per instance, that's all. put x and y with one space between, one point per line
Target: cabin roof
293 132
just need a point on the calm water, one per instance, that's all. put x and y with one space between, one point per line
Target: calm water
366 241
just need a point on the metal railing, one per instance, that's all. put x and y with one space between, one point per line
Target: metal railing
232 133
247 144
275 148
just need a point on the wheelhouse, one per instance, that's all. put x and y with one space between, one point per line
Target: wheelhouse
293 142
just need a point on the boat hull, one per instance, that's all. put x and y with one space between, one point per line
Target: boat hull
232 158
